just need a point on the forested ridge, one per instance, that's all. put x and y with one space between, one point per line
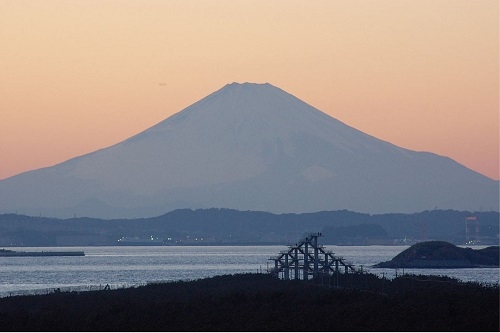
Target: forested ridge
228 226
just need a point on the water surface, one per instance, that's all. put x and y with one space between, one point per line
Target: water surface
123 266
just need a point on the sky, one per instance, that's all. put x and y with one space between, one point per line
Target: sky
78 76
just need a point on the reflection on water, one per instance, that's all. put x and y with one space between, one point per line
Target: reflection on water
130 265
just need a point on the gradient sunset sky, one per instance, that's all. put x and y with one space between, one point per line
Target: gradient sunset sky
77 76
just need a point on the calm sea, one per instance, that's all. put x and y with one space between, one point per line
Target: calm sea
124 266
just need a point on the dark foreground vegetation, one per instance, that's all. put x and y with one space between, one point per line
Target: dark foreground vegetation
259 302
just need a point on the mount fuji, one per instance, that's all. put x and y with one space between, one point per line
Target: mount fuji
248 147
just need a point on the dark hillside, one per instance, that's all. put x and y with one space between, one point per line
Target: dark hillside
438 254
258 302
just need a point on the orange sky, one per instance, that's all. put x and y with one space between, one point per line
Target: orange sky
77 76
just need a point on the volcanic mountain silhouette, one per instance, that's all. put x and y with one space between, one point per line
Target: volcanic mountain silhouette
248 147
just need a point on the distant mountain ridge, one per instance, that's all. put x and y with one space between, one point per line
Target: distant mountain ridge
248 147
228 226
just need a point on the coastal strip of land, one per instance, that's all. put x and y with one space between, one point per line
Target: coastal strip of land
259 302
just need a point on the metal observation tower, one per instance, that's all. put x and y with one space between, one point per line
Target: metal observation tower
307 259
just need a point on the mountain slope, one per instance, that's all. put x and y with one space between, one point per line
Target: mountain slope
248 146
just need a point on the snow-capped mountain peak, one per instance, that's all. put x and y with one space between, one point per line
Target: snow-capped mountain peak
249 146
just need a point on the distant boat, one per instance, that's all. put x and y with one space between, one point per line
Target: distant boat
11 253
